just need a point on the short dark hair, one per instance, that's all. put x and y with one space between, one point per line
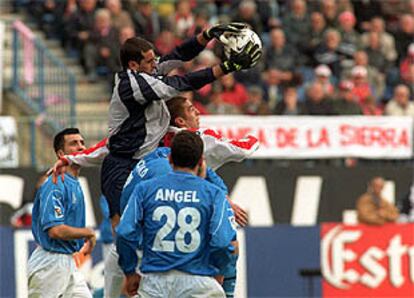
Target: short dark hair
132 50
59 140
176 108
186 149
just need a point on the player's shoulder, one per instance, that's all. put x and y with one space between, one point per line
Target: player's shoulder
49 186
210 187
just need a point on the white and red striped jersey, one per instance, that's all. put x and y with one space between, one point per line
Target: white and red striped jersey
218 150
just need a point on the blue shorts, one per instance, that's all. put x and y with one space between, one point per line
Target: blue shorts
114 172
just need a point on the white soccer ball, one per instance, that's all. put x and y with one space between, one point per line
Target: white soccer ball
235 43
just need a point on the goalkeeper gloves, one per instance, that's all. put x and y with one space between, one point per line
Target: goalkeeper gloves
244 60
217 30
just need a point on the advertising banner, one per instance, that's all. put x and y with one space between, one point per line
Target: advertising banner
367 261
321 137
9 154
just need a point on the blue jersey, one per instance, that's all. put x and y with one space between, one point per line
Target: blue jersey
152 165
156 164
182 221
105 227
58 204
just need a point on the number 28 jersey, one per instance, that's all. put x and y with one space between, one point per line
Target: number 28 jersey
181 219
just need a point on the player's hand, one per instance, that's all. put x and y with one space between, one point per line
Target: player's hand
243 60
59 168
132 283
90 243
219 278
217 30
242 218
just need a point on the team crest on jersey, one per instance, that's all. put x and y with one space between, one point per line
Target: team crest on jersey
58 212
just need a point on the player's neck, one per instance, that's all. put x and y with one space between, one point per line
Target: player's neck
186 170
74 170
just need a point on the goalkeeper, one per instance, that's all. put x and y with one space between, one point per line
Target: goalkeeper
138 116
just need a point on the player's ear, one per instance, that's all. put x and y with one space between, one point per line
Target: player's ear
179 121
170 160
133 65
60 153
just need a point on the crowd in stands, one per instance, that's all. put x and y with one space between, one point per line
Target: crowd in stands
321 57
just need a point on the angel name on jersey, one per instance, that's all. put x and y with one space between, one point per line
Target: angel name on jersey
186 196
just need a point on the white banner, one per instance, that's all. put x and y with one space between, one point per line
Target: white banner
321 137
9 157
2 54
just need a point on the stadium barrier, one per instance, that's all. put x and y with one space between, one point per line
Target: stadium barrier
271 193
327 260
284 138
41 80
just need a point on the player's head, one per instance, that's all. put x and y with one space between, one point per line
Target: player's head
187 150
183 113
68 141
138 54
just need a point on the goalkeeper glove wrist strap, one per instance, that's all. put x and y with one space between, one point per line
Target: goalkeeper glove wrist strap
228 67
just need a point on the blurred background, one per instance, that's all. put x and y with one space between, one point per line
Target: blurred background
331 102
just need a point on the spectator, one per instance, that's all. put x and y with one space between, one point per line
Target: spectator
329 10
120 17
345 103
386 40
146 20
316 34
247 13
290 104
281 56
406 63
322 76
400 104
101 48
331 52
271 87
316 102
255 104
375 79
349 37
392 9
220 107
409 81
166 42
79 26
296 23
232 92
183 19
376 57
405 35
372 208
362 89
370 108
365 10
126 33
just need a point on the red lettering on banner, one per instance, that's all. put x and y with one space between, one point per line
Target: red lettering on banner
367 261
369 136
261 136
286 137
322 139
238 133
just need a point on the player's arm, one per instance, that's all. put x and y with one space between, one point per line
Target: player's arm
53 215
222 230
219 150
129 233
86 158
